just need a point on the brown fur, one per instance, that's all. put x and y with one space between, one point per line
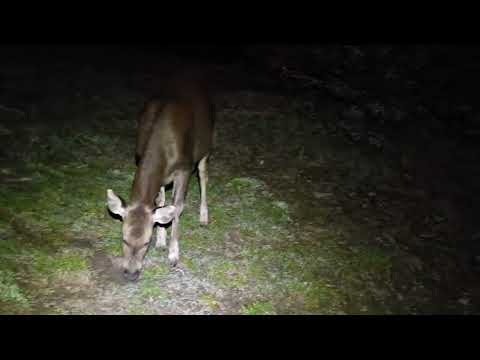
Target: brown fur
174 134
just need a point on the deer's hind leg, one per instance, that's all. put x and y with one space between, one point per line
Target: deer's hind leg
203 176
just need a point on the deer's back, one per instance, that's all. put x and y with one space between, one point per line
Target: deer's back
178 128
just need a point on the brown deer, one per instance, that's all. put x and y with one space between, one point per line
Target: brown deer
174 138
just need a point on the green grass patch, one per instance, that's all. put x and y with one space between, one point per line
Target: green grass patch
155 272
150 289
50 264
12 297
210 301
227 274
258 308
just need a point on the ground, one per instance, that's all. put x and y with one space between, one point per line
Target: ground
302 220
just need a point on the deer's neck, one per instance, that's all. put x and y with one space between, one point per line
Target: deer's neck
150 176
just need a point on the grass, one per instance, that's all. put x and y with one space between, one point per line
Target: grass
227 274
323 277
258 308
10 291
250 244
150 290
58 263
69 172
210 301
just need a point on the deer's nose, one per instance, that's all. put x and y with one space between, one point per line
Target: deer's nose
131 276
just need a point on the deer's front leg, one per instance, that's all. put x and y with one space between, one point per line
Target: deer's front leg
180 186
161 233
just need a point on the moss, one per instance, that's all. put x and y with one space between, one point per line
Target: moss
150 289
258 308
155 272
137 310
241 185
227 274
319 277
210 301
190 263
12 298
58 263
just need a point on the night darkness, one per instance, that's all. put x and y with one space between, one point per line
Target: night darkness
342 180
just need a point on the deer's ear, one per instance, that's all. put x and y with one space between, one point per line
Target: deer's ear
163 215
116 204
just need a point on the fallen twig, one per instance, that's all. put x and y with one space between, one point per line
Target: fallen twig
22 179
6 108
415 193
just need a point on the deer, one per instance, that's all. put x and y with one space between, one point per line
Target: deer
174 139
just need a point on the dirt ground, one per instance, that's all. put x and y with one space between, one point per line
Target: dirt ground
311 211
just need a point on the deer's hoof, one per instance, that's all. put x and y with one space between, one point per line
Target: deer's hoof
203 217
173 260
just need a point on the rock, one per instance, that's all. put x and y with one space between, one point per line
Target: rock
414 263
464 301
4 130
319 195
281 204
353 113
